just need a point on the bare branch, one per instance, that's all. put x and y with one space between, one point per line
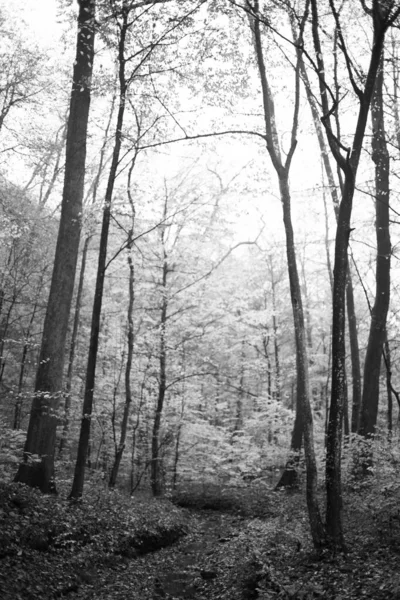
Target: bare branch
334 143
219 263
188 138
343 48
295 122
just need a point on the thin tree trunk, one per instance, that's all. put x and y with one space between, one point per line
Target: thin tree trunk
79 474
303 406
156 484
377 333
41 437
388 362
128 368
307 312
355 353
78 303
349 165
177 453
275 330
327 252
351 314
265 343
395 76
180 424
238 425
72 349
136 429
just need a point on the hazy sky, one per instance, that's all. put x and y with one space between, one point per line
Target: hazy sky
41 16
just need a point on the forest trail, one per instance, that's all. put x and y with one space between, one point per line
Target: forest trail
110 550
201 565
230 557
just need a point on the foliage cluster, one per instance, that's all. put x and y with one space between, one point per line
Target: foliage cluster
66 543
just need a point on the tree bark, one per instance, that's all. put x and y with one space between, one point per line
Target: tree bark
265 343
351 313
349 165
238 425
388 361
180 423
156 483
275 330
37 468
377 333
79 474
78 303
72 348
303 407
354 352
119 450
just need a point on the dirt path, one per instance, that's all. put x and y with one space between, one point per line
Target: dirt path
202 565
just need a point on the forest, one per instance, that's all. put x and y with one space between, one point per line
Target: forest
199 278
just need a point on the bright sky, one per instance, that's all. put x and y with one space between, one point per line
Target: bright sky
41 16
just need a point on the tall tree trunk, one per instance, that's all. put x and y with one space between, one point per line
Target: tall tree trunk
156 483
275 330
238 425
351 313
72 348
354 352
119 450
307 311
349 166
388 362
41 436
180 424
303 407
395 77
84 436
327 251
377 333
265 343
334 521
78 303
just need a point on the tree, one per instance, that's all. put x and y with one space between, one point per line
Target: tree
303 423
120 446
382 14
377 333
28 239
21 67
37 468
156 483
123 25
351 313
124 17
92 194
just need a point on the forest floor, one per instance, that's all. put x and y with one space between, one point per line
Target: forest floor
239 544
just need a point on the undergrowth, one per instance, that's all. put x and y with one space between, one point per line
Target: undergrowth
64 542
260 549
